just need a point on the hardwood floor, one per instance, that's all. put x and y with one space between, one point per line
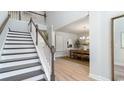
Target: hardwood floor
67 69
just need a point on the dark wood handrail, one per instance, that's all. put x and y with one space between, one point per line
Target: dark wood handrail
4 24
52 49
31 21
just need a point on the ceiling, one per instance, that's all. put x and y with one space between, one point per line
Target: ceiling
77 27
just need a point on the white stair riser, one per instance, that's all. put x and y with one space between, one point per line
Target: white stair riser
19 38
35 78
18 50
16 34
18 72
19 41
17 63
14 31
19 35
18 46
18 56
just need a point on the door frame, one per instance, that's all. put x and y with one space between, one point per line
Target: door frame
112 44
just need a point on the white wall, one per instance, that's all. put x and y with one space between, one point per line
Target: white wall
61 18
18 25
3 16
100 44
65 36
51 35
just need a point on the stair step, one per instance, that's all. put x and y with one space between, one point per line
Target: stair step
21 74
18 56
12 68
36 78
6 54
42 79
19 43
18 50
20 32
18 36
24 76
19 59
18 40
18 46
17 63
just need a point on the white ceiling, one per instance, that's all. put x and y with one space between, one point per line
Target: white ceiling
77 27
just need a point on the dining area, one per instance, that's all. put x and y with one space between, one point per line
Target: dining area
81 49
79 54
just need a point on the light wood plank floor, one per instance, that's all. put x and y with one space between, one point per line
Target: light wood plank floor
119 73
67 69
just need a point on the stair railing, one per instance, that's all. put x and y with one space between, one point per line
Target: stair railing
43 45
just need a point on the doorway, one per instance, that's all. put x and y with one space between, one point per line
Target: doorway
72 51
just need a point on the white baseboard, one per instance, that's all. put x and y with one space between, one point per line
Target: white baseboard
98 78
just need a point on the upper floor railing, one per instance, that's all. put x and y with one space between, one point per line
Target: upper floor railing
26 15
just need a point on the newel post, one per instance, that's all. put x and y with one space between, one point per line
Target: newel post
52 64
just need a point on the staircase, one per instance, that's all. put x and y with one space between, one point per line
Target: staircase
19 59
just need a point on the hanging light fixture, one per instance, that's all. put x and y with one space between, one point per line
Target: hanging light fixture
88 37
82 37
